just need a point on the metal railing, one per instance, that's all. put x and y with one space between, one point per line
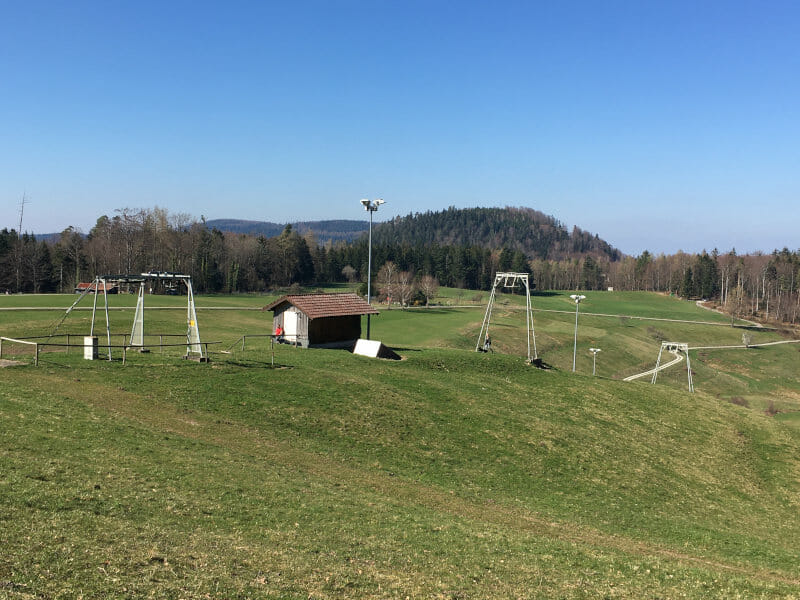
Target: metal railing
124 347
38 343
26 342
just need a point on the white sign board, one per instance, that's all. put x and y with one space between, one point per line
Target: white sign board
369 348
90 347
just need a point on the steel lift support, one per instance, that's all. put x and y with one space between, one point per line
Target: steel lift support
510 280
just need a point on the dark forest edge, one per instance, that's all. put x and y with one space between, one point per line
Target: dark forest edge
456 248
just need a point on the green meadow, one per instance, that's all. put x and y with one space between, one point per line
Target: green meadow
278 472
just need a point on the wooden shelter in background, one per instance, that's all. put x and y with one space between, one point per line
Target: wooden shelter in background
320 320
93 287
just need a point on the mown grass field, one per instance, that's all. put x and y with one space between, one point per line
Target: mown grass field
450 474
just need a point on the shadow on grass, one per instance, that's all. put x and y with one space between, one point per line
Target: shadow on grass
257 364
540 364
423 309
754 327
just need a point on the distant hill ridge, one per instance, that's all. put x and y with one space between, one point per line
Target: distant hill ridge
325 231
524 229
334 230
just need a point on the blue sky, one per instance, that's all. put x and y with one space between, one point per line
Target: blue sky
657 125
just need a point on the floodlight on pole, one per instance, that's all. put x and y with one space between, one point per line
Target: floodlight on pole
577 298
594 352
370 206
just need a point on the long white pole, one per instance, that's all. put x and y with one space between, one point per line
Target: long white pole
575 345
369 268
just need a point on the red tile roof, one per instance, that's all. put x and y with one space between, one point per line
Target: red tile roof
91 286
315 306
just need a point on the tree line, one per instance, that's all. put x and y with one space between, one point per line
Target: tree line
136 241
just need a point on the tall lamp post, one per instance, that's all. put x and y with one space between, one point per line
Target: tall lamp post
370 206
577 298
594 352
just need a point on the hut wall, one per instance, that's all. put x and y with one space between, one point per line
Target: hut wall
328 330
297 330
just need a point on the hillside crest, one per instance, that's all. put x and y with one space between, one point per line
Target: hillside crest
526 230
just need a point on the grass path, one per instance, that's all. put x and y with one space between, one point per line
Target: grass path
678 358
608 315
743 347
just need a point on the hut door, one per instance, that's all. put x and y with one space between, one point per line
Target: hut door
290 325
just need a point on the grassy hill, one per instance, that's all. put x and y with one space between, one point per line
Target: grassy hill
628 327
520 229
450 474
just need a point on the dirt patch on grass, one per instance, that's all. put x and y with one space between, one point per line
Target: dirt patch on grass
8 363
793 395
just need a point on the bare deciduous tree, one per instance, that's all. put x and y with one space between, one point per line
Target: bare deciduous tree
387 280
406 287
429 286
349 273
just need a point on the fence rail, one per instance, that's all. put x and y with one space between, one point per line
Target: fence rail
243 339
39 345
125 347
25 342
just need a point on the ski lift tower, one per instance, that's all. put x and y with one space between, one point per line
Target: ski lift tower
193 348
100 285
510 280
674 348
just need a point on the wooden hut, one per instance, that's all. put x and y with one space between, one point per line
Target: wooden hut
320 320
93 286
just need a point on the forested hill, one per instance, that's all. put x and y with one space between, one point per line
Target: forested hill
518 229
334 231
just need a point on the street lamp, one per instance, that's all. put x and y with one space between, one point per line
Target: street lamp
370 207
594 352
577 298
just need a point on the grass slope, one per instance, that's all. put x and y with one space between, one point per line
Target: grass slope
628 326
629 337
449 474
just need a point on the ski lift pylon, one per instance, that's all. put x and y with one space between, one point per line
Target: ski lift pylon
510 280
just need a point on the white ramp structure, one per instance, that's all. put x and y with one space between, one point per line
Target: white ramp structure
674 348
193 349
510 280
137 331
193 343
374 349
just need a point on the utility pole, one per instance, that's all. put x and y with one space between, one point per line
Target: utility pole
21 212
577 298
370 207
594 352
19 243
